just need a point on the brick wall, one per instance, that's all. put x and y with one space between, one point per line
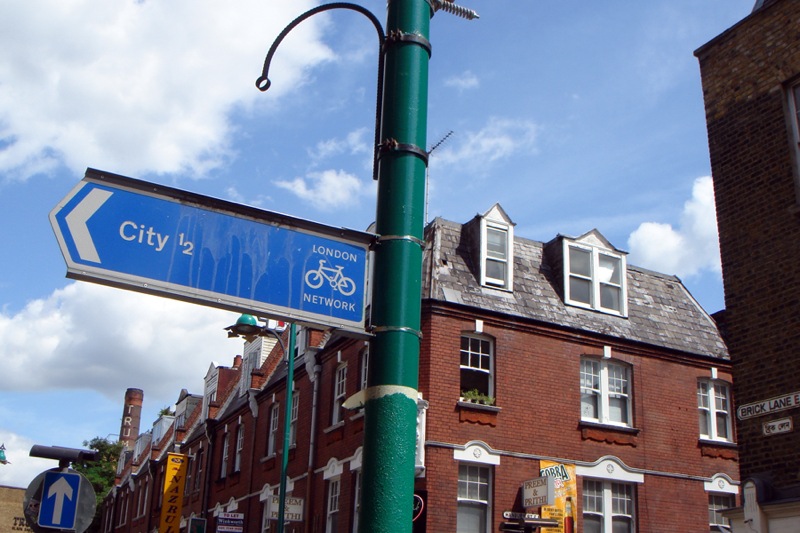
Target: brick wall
745 71
537 389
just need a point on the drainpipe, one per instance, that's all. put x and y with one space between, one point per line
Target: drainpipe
314 377
251 398
207 481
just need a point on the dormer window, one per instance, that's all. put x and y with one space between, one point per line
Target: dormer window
497 249
594 275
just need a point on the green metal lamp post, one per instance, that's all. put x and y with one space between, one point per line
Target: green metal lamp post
391 399
401 161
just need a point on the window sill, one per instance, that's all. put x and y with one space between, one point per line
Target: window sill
334 427
334 433
623 435
477 406
718 449
603 310
477 413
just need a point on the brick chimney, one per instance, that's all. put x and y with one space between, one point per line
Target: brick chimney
131 418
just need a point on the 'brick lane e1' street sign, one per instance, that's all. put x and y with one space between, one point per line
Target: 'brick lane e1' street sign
149 238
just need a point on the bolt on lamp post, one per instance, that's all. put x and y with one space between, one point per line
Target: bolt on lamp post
247 327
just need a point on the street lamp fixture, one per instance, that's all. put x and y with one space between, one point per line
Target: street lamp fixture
248 328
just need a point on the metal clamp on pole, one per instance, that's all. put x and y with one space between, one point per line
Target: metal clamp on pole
397 36
410 238
392 145
401 329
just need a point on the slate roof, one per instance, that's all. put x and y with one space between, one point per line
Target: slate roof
661 311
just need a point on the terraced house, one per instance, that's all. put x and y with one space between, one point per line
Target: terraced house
556 358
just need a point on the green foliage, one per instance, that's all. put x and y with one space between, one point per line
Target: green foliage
166 411
100 473
474 396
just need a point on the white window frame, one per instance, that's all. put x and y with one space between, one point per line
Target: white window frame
471 485
504 257
199 473
793 101
237 460
608 500
710 410
606 389
339 393
332 512
293 419
593 277
223 467
265 516
357 481
470 353
272 438
716 502
187 487
124 508
138 506
364 368
793 98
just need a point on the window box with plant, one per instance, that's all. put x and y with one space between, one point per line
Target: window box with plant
475 396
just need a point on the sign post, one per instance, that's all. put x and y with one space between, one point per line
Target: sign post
59 499
149 238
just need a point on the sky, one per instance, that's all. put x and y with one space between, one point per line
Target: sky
573 115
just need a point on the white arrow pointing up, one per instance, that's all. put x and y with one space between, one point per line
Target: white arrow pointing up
76 222
61 489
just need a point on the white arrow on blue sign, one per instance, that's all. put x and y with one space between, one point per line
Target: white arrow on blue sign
58 508
149 238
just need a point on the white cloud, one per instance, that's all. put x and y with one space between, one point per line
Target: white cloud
137 86
91 337
688 250
353 143
21 469
499 139
326 190
465 80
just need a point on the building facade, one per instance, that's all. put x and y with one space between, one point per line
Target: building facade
554 359
751 85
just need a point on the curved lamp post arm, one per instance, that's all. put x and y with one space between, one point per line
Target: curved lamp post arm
263 82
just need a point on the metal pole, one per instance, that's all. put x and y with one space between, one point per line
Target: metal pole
287 423
391 398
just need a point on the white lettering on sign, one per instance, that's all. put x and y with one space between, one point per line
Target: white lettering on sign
772 405
336 254
329 302
140 234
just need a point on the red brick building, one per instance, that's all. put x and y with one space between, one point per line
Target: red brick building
751 85
553 358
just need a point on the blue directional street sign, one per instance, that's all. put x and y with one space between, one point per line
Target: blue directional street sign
149 238
59 505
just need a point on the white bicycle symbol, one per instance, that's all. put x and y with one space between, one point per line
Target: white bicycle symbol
339 282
